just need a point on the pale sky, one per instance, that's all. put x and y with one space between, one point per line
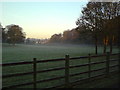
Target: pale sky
41 19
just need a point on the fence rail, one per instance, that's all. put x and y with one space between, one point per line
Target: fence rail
67 68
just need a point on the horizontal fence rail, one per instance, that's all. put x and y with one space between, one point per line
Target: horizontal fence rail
51 60
67 68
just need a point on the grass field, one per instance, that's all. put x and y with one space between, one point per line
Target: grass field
28 52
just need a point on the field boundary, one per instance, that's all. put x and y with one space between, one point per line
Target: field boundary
67 68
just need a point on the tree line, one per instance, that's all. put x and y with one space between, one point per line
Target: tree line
98 24
72 36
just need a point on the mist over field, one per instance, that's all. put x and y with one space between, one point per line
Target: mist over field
22 52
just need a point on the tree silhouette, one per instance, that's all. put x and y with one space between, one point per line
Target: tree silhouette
95 17
15 34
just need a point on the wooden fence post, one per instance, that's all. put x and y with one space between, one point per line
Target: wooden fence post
34 73
119 61
89 67
67 71
107 63
119 68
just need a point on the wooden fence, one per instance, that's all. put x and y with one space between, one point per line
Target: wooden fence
67 68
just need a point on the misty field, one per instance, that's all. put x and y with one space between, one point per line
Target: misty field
41 52
28 52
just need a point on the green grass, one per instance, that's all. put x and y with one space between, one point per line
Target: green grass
28 52
41 52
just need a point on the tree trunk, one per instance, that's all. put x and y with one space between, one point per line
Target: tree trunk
104 43
111 45
96 51
104 51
